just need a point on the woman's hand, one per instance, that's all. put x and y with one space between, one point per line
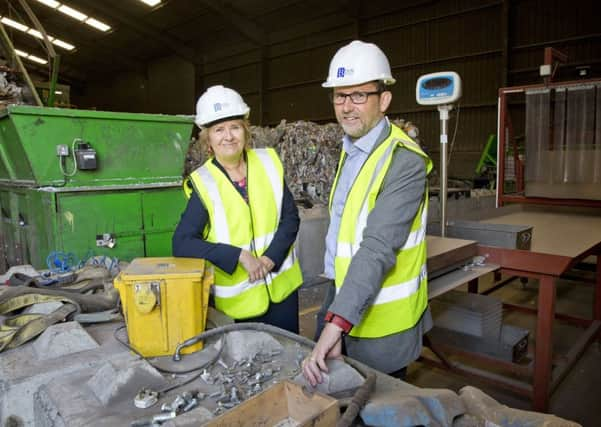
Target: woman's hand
267 263
254 267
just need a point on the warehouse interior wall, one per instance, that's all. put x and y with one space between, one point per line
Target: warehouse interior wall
166 86
491 44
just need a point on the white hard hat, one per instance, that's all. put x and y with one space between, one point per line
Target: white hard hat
218 103
357 63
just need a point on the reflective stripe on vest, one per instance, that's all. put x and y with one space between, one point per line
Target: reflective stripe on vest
249 226
403 295
415 237
222 233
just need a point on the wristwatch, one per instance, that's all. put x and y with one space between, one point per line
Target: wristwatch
339 321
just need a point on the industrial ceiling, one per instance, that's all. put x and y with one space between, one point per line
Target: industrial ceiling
140 33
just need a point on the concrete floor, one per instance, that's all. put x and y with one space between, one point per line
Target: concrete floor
578 397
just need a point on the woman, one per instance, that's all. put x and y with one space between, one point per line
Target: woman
241 217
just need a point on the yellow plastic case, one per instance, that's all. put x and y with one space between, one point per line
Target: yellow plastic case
165 302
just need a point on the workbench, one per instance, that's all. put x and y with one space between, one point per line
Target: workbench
562 238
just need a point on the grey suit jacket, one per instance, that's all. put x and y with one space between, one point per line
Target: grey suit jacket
387 229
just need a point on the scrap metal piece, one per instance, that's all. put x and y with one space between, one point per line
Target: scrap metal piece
164 416
178 403
206 377
193 403
146 398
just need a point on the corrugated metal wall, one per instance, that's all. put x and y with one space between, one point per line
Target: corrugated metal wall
489 43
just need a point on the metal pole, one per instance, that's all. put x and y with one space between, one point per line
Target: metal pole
11 52
444 138
52 88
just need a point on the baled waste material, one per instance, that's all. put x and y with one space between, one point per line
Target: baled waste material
309 152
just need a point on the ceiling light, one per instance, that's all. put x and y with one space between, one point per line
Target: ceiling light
14 24
38 35
50 3
72 12
58 92
150 2
97 24
31 57
63 44
37 59
80 16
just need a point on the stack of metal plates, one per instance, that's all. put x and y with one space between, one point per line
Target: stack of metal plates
472 314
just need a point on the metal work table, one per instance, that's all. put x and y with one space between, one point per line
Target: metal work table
562 238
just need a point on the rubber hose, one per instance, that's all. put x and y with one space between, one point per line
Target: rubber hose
358 401
255 326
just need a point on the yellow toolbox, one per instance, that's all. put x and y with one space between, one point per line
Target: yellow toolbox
165 302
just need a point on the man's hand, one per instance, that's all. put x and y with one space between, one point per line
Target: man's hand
329 346
252 265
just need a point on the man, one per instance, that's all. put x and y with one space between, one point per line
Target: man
375 245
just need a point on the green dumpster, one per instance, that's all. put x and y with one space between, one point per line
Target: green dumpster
115 188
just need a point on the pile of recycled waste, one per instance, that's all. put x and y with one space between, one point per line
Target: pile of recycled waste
309 152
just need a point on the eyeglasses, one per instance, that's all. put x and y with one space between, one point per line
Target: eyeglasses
339 98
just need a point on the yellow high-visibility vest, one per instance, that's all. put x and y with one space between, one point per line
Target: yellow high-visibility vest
250 226
403 297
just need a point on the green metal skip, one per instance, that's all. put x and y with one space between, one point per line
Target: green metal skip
125 203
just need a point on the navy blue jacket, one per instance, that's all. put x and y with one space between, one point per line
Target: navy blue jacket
188 239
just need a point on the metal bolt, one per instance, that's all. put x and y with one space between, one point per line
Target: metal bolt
190 405
178 403
234 395
164 416
187 396
206 377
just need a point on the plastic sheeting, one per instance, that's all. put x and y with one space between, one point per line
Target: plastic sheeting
563 142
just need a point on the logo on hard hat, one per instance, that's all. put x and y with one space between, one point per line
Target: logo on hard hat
342 72
218 106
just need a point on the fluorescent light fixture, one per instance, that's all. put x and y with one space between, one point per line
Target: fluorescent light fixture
58 92
14 24
150 2
50 3
97 24
64 45
31 57
37 59
38 35
72 12
82 17
35 33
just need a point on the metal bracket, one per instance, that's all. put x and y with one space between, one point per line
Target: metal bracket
106 240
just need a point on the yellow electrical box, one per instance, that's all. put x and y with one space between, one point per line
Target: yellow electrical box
165 302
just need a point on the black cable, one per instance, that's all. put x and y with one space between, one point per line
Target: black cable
129 347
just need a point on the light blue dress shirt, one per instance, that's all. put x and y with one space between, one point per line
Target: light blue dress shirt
356 154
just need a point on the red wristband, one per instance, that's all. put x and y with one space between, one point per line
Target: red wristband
339 321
